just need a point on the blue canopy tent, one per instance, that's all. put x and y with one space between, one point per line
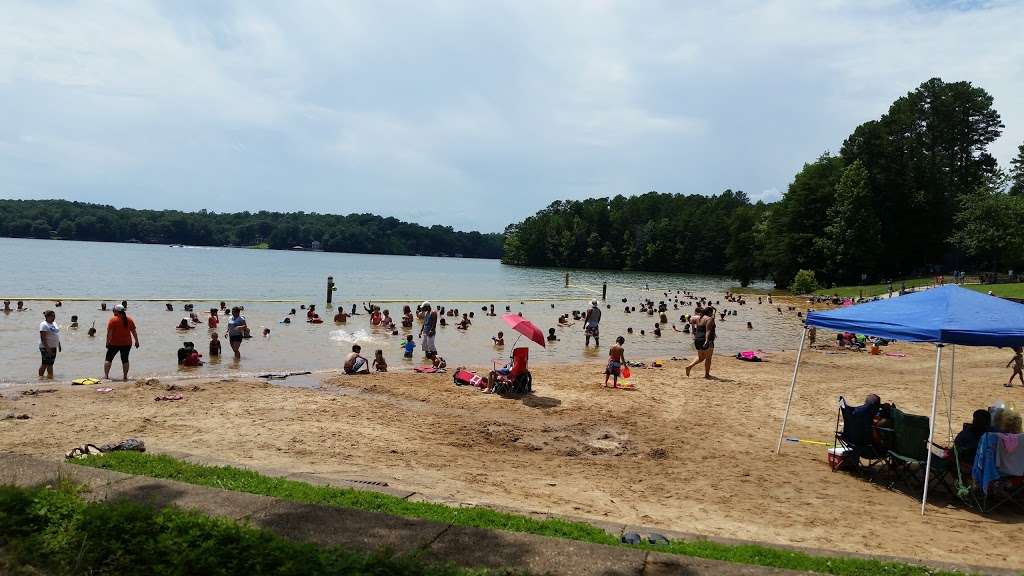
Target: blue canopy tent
945 315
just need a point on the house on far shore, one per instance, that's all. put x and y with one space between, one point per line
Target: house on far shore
315 246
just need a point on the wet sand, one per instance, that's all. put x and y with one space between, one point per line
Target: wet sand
680 453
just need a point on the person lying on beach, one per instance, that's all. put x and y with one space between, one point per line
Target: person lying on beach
551 335
341 317
379 364
355 363
408 346
499 340
616 358
184 325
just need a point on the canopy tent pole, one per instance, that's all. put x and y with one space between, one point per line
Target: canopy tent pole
952 374
792 387
931 425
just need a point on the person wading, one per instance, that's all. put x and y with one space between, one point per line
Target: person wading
120 335
591 324
428 330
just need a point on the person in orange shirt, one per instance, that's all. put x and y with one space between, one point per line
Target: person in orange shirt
120 335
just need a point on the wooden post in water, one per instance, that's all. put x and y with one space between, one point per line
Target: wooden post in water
604 291
330 289
566 279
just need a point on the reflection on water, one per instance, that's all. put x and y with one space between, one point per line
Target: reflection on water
251 277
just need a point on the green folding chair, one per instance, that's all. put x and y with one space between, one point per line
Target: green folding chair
909 453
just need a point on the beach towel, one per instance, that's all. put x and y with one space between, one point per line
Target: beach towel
748 356
467 378
985 471
428 370
85 382
896 354
1009 456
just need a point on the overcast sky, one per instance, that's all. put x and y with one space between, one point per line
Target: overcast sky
471 114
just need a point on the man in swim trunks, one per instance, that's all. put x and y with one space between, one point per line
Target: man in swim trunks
355 363
428 330
591 324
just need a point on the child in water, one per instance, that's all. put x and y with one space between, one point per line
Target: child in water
212 322
214 345
499 340
1018 366
379 364
408 346
551 335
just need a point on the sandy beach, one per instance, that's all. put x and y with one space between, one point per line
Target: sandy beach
680 453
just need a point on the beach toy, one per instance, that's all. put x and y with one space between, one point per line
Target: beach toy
625 372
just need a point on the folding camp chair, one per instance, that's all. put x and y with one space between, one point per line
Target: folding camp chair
909 454
518 380
856 440
1003 490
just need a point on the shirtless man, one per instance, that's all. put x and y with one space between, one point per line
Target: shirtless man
616 357
591 324
355 363
341 317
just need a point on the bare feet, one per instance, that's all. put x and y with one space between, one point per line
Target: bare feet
687 370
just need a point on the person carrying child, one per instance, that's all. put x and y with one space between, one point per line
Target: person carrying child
1018 366
616 358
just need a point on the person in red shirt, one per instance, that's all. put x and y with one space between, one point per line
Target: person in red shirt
213 321
120 335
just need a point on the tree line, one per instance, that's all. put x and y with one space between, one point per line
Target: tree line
913 192
356 233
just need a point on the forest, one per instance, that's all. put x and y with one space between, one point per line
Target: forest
357 233
914 192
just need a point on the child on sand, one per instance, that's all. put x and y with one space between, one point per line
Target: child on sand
1018 366
439 362
499 340
214 345
379 364
408 346
616 357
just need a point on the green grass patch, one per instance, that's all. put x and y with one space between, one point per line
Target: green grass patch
870 290
52 531
760 291
230 478
1014 290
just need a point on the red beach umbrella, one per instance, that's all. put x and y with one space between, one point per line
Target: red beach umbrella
525 327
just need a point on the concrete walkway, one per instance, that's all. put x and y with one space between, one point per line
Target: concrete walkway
370 531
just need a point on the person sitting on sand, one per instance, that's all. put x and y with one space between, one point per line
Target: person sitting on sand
214 345
355 363
341 317
183 325
439 362
551 335
499 340
408 346
616 358
379 364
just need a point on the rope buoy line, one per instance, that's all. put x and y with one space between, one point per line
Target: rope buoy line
271 301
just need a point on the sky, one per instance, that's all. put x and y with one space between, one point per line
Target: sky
468 114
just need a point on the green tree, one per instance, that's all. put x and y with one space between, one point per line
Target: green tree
989 231
849 245
1017 173
804 282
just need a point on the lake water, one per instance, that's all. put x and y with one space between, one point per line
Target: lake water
269 283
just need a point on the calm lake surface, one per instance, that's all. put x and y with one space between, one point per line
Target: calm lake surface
84 274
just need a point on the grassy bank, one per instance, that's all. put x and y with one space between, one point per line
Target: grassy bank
870 290
1015 290
230 478
53 531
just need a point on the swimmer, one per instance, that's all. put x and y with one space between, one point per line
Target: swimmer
629 330
657 329
387 321
183 325
286 320
92 330
551 335
103 306
21 306
7 307
750 326
74 322
341 317
292 313
406 316
499 340
266 332
170 307
443 323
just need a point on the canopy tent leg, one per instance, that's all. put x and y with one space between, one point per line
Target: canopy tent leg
792 387
931 426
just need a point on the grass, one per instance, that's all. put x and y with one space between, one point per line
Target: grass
230 478
870 290
53 531
760 291
1014 290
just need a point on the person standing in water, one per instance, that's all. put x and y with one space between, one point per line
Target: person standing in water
49 343
236 331
120 335
591 324
428 330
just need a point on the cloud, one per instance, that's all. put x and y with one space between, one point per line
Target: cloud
468 114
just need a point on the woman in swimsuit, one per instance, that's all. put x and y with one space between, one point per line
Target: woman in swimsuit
699 334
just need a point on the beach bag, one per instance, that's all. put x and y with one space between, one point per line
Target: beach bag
467 378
